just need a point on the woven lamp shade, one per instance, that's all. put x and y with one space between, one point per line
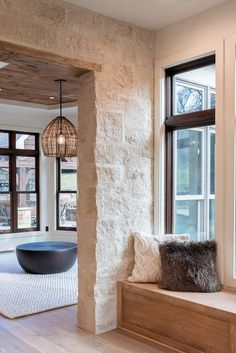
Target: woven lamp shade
59 138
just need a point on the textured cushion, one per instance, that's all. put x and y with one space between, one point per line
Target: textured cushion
147 267
189 267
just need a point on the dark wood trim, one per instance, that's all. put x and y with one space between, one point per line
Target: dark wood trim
27 192
23 153
12 169
191 120
37 179
58 183
13 153
169 181
191 65
57 210
14 194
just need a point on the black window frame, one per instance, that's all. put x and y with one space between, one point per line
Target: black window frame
181 121
58 192
13 153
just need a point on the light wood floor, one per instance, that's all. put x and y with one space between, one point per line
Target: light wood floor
56 332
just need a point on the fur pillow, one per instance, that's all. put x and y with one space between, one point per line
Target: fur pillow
147 267
189 267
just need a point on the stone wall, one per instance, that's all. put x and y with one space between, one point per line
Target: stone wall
116 138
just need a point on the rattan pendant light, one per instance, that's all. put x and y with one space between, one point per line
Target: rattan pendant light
59 138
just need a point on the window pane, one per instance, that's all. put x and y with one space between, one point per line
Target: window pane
4 140
212 163
67 210
188 98
27 211
194 181
189 218
25 142
212 100
211 219
4 173
188 162
25 173
5 212
68 174
194 90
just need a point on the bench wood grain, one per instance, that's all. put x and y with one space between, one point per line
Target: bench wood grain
184 322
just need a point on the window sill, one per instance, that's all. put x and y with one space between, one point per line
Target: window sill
64 235
22 235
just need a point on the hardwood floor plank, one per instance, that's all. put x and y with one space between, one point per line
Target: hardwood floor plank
10 343
123 341
56 331
36 341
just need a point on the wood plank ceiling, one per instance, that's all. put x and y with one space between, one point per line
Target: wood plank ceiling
30 75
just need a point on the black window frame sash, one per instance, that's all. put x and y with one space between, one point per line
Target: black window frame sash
58 192
13 153
177 122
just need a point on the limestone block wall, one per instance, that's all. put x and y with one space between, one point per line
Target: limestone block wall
116 138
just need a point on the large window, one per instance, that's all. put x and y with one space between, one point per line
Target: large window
19 181
66 193
190 149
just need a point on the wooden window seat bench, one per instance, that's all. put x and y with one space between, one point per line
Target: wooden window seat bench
177 321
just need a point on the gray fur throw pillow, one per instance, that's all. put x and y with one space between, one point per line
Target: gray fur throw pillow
189 267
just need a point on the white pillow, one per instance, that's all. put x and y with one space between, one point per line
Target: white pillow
147 267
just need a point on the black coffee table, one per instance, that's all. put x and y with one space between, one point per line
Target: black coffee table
47 257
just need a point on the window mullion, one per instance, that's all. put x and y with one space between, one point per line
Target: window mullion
191 120
169 182
14 193
206 178
12 178
174 180
189 197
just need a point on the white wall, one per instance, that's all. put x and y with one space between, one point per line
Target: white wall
34 118
197 31
31 117
213 31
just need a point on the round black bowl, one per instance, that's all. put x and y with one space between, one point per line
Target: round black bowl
46 257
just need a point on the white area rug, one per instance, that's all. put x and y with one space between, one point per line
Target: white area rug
24 294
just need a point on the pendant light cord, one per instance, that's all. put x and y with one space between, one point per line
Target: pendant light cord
60 82
60 97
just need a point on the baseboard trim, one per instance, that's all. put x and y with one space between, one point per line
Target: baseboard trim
165 348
